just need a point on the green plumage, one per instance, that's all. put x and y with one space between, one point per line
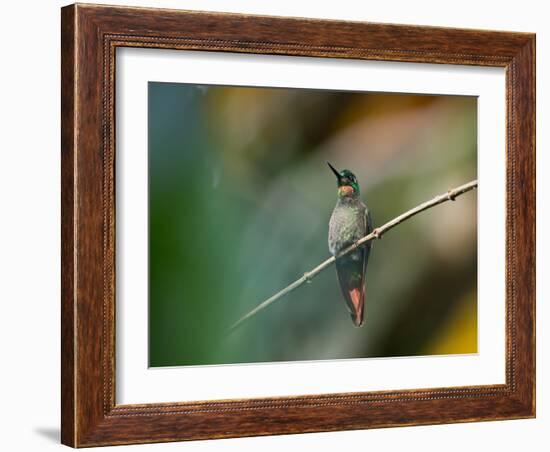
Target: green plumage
350 221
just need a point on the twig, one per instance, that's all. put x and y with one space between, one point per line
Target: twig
377 233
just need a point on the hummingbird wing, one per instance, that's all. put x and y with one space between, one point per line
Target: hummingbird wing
351 271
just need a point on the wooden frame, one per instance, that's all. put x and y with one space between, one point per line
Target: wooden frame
90 35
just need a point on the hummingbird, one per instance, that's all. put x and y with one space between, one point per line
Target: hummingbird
350 221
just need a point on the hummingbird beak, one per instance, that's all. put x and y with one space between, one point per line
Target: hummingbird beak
334 171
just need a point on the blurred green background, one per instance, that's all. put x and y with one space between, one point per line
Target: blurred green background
239 202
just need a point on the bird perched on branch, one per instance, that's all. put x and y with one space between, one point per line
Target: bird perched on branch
349 222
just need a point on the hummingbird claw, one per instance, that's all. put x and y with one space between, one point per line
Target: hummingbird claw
451 196
307 277
377 234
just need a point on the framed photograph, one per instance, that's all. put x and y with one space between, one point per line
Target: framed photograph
281 225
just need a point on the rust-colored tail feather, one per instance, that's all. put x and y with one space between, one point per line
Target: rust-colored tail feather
357 298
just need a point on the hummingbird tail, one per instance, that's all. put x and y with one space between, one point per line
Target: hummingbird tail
352 283
357 298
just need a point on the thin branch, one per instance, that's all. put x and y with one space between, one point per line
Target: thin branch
377 233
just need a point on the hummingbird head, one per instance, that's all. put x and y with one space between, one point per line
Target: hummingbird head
347 182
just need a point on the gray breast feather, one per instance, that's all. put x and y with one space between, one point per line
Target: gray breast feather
347 225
